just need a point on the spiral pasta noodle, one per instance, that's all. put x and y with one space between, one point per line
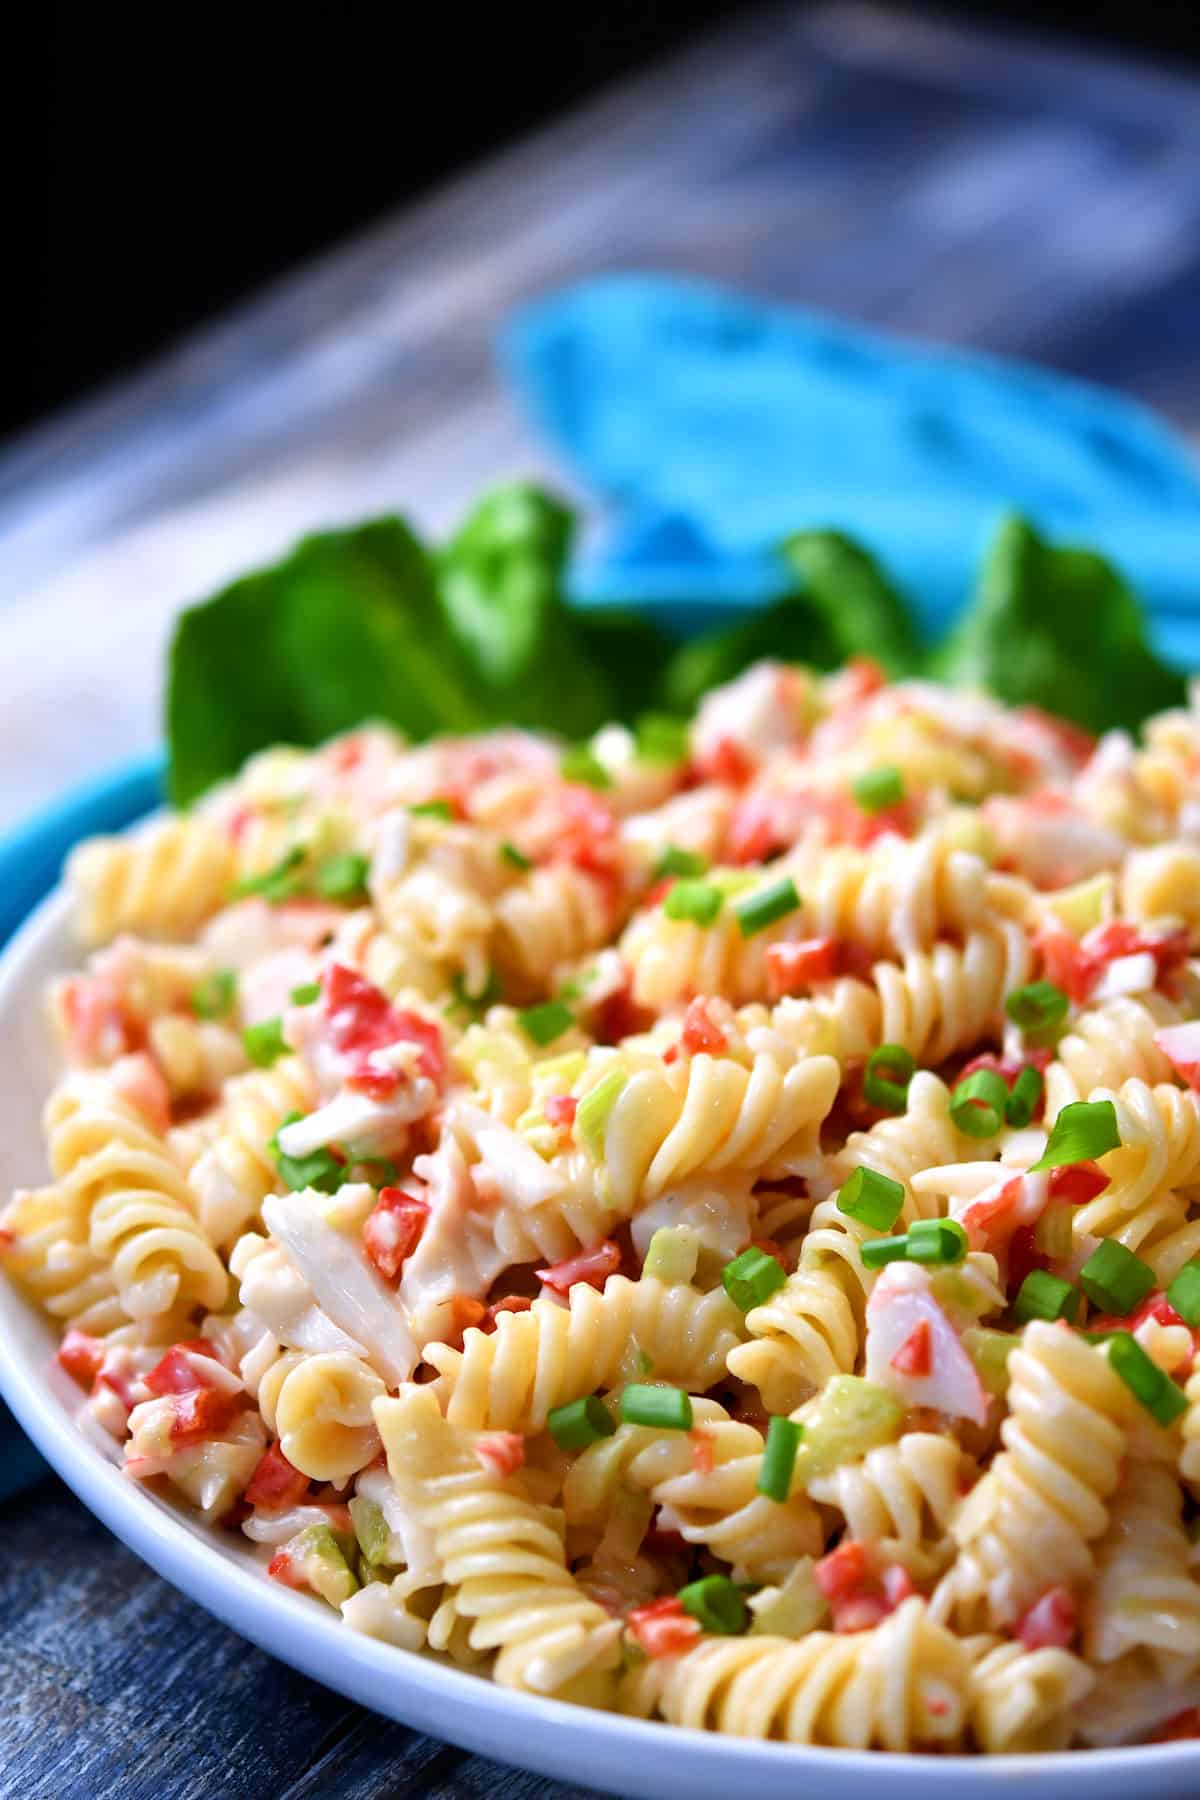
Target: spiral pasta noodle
164 882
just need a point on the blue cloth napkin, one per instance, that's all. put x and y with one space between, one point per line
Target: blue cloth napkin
714 425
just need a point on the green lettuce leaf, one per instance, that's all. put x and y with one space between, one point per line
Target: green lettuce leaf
1060 629
349 627
861 611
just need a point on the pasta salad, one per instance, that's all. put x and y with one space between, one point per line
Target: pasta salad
704 1223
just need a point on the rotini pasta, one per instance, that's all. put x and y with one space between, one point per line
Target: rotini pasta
480 1188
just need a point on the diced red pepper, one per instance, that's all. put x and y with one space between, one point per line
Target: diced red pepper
501 1453
699 1033
560 1109
790 968
362 1019
515 1303
280 1568
81 1356
462 1312
200 1414
664 1538
1051 1622
1181 1725
275 1484
727 763
1023 1257
843 1570
593 1266
915 1355
392 1231
1066 964
1077 1183
1154 1306
177 1373
662 1628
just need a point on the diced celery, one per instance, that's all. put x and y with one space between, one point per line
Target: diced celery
964 829
790 1611
989 1351
370 1528
324 1567
1084 905
1053 1235
846 1419
672 1255
558 1074
594 1110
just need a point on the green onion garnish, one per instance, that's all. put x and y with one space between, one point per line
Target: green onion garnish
717 1602
304 996
1082 1131
343 877
886 1077
779 1458
978 1104
433 809
583 765
936 1241
1114 1279
593 1112
871 1198
665 1408
321 1170
878 788
884 1250
1161 1397
214 997
281 882
754 912
1026 1095
661 739
1038 1008
475 1005
752 1277
264 1043
580 1423
546 1022
516 858
697 901
675 861
1184 1293
1046 1296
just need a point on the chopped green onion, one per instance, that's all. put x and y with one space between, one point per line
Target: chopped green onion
546 1022
697 901
878 788
370 1528
761 908
304 996
751 1278
1038 1008
1082 1131
978 1104
580 1423
433 809
583 765
1114 1279
665 1408
1184 1293
886 1077
1161 1397
675 861
779 1458
321 1170
517 858
936 1241
1022 1103
592 1113
1046 1296
215 996
342 877
717 1602
871 1198
474 1004
883 1250
281 882
264 1043
661 739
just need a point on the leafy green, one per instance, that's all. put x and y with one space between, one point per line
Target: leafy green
1060 629
367 623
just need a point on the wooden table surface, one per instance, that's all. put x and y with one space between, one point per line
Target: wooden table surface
985 191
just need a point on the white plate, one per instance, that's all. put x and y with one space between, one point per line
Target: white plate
625 1756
